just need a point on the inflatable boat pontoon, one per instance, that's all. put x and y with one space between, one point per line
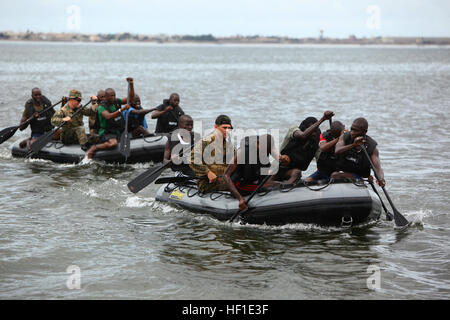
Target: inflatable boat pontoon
341 203
144 149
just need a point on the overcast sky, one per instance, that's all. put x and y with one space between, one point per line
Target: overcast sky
293 18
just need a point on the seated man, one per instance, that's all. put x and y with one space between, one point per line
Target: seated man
137 124
168 114
353 162
300 145
111 120
94 124
40 123
179 146
326 164
73 131
209 157
245 172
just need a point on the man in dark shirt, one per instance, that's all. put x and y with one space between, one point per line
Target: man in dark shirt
353 163
300 145
168 114
327 161
179 145
40 123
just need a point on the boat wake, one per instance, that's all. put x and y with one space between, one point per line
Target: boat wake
138 202
416 217
85 161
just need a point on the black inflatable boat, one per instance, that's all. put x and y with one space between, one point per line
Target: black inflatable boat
141 150
341 203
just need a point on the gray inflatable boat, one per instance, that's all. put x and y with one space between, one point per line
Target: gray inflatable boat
144 149
342 203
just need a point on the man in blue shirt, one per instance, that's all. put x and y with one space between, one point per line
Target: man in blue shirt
137 124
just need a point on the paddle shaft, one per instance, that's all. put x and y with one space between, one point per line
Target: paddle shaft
43 140
7 133
39 113
388 214
147 177
250 198
124 138
180 179
399 219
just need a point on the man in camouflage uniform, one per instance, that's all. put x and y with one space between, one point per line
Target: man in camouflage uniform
210 156
73 131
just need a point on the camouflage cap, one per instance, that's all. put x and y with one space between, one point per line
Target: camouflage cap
73 94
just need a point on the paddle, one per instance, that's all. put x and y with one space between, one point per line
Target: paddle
179 179
147 177
42 141
125 137
399 220
389 215
7 133
239 212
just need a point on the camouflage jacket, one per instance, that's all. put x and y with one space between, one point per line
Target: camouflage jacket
77 120
210 154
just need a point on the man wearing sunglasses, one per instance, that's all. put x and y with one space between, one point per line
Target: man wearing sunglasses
210 156
73 131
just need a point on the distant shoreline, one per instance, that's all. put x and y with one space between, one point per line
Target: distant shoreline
209 39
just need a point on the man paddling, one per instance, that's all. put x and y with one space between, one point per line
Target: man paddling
40 123
300 145
327 161
73 131
137 124
245 172
111 119
209 156
168 114
352 161
178 147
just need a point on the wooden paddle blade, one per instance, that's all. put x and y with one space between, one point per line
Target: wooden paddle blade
145 178
7 133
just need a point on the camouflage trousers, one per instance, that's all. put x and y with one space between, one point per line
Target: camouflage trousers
74 135
218 185
93 136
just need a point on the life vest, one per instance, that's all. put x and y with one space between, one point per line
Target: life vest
134 121
247 175
169 121
116 124
301 152
42 123
354 160
327 160
183 153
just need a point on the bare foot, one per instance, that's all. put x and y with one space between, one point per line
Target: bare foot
91 152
